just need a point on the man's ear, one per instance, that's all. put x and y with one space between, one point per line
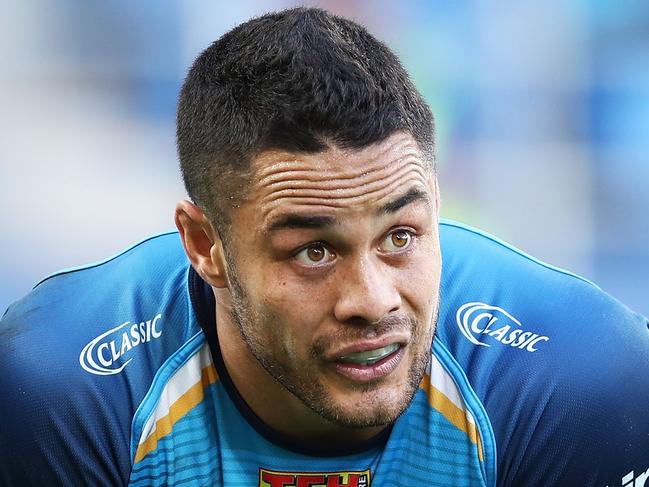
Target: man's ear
202 243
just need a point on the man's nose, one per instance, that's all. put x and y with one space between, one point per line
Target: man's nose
367 290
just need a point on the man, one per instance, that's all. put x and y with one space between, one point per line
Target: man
297 349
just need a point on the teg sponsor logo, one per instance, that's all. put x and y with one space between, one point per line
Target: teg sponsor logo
101 356
630 480
272 478
480 321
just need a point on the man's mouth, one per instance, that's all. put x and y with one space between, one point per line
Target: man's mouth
370 365
370 357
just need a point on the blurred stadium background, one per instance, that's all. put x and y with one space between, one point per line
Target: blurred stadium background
542 112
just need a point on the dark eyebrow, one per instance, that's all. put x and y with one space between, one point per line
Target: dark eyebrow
411 196
314 222
300 221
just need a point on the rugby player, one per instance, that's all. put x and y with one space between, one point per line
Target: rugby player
313 322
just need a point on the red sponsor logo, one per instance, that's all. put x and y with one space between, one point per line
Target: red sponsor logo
272 478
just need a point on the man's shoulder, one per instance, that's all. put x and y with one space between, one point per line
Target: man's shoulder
143 285
487 284
549 354
507 312
80 351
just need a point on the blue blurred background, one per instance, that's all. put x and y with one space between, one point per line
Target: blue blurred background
542 112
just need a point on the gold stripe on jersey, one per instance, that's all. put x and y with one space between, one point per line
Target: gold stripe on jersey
191 398
457 414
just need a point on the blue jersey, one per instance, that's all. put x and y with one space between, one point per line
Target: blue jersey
111 374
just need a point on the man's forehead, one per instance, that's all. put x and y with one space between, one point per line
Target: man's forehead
289 190
339 161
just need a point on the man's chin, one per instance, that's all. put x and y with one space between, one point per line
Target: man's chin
371 407
365 404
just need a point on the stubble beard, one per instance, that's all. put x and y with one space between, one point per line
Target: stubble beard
306 386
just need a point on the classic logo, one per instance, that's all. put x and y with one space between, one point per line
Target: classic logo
104 354
477 321
271 478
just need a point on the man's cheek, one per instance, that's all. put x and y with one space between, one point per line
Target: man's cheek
293 297
420 291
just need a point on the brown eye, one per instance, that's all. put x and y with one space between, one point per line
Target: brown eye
314 255
400 239
396 241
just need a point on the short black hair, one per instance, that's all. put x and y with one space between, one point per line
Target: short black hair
295 80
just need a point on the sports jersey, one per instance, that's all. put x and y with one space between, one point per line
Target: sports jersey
111 374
